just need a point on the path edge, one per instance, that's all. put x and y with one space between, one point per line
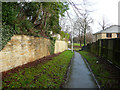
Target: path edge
86 62
67 73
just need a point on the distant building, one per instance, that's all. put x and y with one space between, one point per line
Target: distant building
110 32
69 41
58 37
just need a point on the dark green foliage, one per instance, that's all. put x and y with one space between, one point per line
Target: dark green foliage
32 18
7 32
40 15
9 13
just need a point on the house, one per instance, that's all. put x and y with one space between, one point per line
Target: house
110 32
58 37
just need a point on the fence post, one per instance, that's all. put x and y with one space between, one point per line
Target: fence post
99 47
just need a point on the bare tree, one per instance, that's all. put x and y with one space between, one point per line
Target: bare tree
84 20
89 37
82 24
76 39
85 26
104 23
81 27
78 30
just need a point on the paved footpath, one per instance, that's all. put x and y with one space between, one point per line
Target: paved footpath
80 76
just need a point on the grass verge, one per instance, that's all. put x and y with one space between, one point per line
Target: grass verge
44 75
103 76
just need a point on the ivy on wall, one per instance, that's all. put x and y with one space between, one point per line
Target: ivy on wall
52 45
6 34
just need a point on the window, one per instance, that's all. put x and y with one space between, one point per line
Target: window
118 35
109 35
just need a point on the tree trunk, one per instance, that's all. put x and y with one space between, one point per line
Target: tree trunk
79 38
80 43
84 37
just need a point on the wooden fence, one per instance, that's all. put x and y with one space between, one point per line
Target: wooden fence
106 48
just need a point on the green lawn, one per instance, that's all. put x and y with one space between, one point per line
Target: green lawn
44 75
77 48
77 44
102 75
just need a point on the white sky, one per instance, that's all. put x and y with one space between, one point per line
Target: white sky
102 8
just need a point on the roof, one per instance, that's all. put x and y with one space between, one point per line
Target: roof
111 29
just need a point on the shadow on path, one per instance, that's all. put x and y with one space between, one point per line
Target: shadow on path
80 76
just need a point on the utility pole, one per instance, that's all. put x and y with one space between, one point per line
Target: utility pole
72 35
71 29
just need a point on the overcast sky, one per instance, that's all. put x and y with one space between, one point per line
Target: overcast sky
102 8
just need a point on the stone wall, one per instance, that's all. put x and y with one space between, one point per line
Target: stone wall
22 49
60 46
